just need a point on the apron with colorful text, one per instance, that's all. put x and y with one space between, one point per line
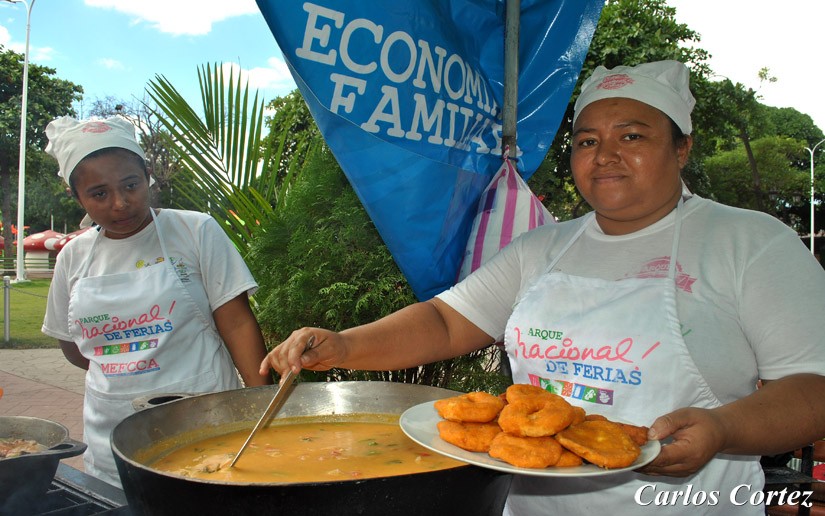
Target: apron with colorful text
615 348
142 334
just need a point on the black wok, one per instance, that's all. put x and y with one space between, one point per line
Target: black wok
462 490
25 478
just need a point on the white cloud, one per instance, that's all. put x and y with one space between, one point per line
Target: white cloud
274 78
36 54
180 17
5 37
110 64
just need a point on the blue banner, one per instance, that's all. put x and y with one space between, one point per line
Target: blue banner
408 95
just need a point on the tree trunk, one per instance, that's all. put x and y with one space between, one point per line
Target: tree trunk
757 183
8 217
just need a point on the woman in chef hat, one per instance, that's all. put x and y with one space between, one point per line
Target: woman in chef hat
659 308
149 300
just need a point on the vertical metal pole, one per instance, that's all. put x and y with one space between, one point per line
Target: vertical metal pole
811 151
510 115
21 169
7 308
511 67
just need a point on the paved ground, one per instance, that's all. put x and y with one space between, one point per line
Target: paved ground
42 383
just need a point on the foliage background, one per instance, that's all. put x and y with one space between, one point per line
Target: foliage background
321 262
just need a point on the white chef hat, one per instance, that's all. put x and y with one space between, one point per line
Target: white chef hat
72 140
664 85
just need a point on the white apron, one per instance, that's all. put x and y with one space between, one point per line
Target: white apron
616 348
142 334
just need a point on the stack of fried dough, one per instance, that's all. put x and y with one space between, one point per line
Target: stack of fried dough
530 427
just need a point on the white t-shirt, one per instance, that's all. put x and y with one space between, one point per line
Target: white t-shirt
205 260
750 296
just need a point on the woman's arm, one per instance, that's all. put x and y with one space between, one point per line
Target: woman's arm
782 415
72 354
240 331
418 334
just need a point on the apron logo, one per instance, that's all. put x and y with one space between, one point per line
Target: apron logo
130 368
589 368
126 347
577 391
119 329
658 268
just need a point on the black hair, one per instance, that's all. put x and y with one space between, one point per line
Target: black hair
109 150
676 133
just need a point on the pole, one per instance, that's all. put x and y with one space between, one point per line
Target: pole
6 310
811 152
21 168
512 21
511 45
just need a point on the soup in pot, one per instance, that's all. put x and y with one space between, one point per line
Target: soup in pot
306 450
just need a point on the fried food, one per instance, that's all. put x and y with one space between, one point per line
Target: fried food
520 391
526 452
474 437
530 427
568 459
602 443
539 416
637 433
579 415
473 407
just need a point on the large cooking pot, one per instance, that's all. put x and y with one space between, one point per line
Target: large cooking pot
462 490
25 478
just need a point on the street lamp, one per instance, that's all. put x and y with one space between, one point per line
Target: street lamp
811 151
21 169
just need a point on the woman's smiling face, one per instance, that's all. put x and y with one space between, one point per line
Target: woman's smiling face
625 163
114 190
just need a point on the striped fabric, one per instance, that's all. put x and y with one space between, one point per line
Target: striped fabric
507 208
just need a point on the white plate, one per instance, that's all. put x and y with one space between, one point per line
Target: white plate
419 423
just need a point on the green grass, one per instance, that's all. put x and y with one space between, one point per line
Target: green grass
27 306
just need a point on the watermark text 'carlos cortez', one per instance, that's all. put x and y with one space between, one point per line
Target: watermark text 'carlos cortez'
743 494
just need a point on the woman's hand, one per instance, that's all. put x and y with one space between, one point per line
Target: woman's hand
697 435
328 350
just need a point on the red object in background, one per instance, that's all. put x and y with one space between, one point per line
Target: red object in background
66 238
14 229
42 241
819 472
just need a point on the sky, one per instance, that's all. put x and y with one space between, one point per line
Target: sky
113 48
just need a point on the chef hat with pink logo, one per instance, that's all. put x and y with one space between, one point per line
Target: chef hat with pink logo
664 85
72 140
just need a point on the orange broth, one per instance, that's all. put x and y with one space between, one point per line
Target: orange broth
306 451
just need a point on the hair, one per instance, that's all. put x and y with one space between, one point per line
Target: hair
103 152
678 136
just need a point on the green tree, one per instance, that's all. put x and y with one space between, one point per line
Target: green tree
321 262
48 97
745 118
220 153
48 202
293 129
789 122
782 183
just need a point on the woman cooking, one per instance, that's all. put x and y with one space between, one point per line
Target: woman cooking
149 300
659 308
